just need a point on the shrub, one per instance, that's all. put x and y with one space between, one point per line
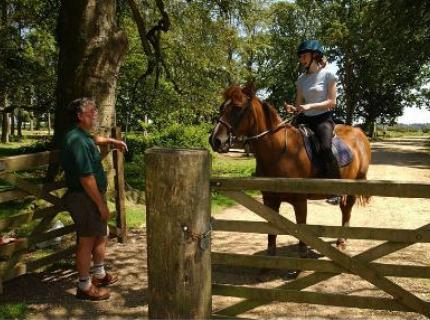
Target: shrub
173 136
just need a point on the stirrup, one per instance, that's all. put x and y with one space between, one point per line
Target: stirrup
333 200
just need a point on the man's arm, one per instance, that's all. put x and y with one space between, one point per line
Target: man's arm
90 186
100 140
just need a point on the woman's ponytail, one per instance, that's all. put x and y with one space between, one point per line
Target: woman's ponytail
322 61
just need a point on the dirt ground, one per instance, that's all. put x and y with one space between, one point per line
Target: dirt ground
51 295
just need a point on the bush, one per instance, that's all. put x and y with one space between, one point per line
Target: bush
173 136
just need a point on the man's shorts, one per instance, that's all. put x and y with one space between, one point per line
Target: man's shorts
85 215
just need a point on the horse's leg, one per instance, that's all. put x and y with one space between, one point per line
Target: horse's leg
346 208
301 212
273 202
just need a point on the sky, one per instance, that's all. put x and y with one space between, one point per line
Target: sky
414 115
410 115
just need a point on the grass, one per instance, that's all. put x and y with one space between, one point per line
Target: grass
232 167
135 214
13 311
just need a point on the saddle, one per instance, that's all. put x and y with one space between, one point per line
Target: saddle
340 149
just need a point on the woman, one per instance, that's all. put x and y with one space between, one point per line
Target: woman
315 100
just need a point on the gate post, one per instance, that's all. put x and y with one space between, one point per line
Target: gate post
178 233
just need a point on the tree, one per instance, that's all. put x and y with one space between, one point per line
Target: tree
91 51
381 47
27 59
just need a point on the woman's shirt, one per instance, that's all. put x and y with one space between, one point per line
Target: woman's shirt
314 87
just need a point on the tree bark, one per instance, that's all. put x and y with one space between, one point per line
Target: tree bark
31 122
5 129
91 51
48 119
19 124
12 123
349 99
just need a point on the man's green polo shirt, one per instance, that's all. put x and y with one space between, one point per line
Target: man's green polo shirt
80 157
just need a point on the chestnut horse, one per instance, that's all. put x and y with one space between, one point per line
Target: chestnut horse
280 152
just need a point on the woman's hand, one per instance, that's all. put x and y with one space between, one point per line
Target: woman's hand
289 108
303 107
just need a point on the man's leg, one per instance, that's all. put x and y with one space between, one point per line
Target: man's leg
83 256
99 249
101 277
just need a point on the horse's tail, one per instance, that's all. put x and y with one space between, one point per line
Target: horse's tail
363 200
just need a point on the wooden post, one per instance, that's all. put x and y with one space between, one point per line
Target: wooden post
178 233
118 162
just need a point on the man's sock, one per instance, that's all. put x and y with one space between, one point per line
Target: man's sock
99 270
84 283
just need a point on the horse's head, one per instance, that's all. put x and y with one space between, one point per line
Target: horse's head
235 117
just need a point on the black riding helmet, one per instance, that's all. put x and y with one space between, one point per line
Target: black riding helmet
310 46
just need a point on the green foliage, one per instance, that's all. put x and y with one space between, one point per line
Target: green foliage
382 50
173 136
13 311
28 145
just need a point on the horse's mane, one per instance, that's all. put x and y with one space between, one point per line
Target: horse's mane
270 114
235 93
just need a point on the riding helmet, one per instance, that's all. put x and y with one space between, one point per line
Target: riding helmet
310 46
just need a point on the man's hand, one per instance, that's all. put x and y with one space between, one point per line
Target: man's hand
104 211
289 108
119 144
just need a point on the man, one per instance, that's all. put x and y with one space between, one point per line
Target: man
87 184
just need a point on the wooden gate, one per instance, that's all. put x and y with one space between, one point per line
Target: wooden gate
179 265
360 265
14 260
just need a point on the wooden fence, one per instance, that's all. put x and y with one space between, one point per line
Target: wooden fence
14 257
191 242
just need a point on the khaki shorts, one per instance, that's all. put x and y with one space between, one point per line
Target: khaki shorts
85 215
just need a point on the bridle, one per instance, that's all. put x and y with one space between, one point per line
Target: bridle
234 122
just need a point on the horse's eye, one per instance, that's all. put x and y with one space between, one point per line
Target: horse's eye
221 108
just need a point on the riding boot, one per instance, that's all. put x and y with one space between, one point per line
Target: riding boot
331 172
330 165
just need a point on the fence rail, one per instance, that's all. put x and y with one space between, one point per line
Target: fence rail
382 275
382 188
13 259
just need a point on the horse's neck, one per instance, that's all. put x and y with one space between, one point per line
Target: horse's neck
270 148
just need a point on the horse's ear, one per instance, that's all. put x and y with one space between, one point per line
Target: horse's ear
250 90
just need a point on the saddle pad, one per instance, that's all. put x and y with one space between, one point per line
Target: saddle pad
340 149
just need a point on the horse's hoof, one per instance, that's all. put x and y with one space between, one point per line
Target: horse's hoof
341 244
292 274
271 251
263 275
303 251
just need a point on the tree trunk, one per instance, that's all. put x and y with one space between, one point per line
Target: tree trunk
12 123
91 51
5 129
19 124
372 129
49 123
31 122
37 125
349 99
